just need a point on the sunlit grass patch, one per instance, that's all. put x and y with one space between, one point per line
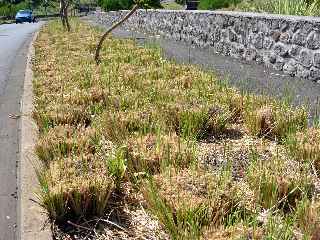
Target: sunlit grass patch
180 204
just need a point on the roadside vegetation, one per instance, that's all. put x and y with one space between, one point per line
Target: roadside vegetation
286 7
114 5
217 4
172 5
139 147
8 9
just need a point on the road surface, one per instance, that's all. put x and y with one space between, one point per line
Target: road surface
14 42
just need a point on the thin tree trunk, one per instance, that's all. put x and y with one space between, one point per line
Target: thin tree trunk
62 13
65 11
97 54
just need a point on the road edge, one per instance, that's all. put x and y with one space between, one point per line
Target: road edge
33 223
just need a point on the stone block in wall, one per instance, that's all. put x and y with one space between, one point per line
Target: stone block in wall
275 35
271 57
258 40
303 72
274 24
236 50
280 49
268 43
218 47
315 74
313 40
299 38
278 65
250 54
316 59
286 37
284 25
294 51
233 37
290 67
306 58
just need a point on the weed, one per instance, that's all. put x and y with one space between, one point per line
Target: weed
117 166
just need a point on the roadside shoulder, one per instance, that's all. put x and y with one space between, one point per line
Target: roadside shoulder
33 221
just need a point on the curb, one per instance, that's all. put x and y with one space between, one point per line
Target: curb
33 222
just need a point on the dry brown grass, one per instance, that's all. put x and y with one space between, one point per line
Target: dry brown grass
152 153
66 141
140 129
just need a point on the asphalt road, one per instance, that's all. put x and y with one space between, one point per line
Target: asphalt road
248 77
14 42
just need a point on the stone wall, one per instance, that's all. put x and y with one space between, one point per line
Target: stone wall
285 43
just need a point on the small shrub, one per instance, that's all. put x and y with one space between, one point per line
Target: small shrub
9 9
181 2
114 5
117 166
216 4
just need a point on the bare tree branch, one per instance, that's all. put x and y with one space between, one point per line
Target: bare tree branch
97 54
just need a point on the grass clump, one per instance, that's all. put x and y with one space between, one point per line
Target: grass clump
304 147
75 187
275 121
188 202
180 204
278 185
65 141
152 153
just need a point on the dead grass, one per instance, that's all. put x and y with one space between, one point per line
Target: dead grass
139 132
152 153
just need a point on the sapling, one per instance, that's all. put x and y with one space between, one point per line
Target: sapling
138 4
